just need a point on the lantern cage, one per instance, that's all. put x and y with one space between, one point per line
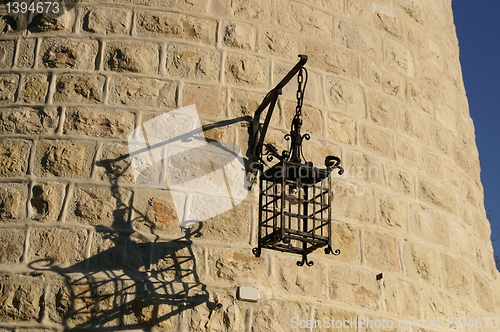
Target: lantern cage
295 197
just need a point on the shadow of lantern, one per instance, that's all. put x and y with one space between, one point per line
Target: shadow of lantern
116 289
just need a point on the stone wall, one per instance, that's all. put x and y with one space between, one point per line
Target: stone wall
84 248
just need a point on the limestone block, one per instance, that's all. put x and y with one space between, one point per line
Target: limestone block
12 245
35 88
106 20
360 10
259 11
415 9
429 225
230 226
331 59
447 117
54 23
99 206
304 19
483 291
245 103
8 87
331 315
136 57
277 43
236 266
394 84
353 201
399 180
223 313
461 240
46 201
345 96
402 297
383 110
98 123
193 63
407 152
64 158
14 154
142 92
12 201
6 53
247 70
341 128
26 53
277 315
209 100
358 38
354 286
20 298
377 140
154 212
432 165
336 6
385 19
239 35
392 213
79 88
436 304
440 196
362 166
58 246
287 280
457 278
68 53
381 251
421 97
346 237
175 25
399 57
370 72
421 263
24 120
415 123
481 256
113 164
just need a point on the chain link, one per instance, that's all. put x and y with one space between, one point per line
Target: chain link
300 92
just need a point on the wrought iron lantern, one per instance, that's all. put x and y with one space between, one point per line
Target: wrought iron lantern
295 196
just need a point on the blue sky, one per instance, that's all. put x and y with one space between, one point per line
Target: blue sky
478 29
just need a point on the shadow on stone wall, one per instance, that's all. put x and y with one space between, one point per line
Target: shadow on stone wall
130 281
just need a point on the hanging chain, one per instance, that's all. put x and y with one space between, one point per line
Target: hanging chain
300 91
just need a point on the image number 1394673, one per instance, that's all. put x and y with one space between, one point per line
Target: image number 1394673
35 7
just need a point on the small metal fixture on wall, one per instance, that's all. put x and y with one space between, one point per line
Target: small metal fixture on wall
295 197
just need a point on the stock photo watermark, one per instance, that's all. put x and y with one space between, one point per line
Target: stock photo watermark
365 322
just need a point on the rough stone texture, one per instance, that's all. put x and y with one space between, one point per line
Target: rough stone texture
8 87
100 207
14 157
142 92
12 245
70 248
131 57
79 88
105 20
12 201
99 123
64 158
84 245
68 53
24 120
35 88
